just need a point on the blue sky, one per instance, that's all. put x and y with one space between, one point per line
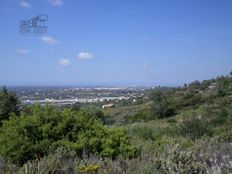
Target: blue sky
116 42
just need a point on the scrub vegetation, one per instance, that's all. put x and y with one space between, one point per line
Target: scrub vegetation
177 130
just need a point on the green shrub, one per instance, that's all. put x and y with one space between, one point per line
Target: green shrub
195 128
226 136
27 137
221 118
161 107
94 112
191 99
172 121
143 132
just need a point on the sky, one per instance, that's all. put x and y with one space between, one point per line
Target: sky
115 42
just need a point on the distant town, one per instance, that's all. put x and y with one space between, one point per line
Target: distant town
71 95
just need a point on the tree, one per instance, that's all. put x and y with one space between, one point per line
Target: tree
194 85
161 106
9 103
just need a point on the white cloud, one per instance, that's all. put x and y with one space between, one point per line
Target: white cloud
49 40
64 62
25 4
85 55
22 51
56 2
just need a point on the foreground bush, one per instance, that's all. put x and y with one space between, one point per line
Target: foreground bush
28 137
215 154
206 156
182 161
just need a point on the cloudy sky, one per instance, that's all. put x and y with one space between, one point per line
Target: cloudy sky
116 42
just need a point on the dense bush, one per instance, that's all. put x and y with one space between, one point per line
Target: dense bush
189 100
27 137
161 107
221 118
195 128
94 112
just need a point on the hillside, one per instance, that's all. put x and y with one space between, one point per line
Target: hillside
176 130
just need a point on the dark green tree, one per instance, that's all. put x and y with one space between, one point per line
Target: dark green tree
194 85
161 106
9 103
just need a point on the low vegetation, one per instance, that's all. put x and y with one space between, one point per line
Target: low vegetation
179 130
